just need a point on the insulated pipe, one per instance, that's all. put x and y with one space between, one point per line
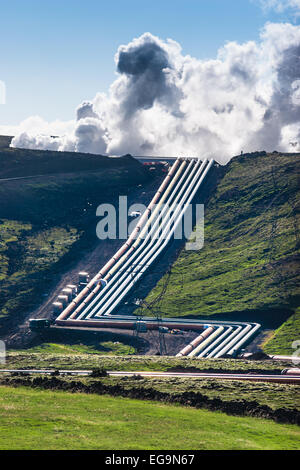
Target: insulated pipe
111 322
144 248
109 287
88 299
216 342
201 346
233 341
176 217
187 349
232 335
149 221
291 371
286 358
187 322
129 320
211 162
237 346
123 248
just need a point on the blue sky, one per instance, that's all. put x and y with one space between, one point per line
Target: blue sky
55 54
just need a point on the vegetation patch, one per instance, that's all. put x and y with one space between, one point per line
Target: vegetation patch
29 360
102 348
28 257
35 419
286 339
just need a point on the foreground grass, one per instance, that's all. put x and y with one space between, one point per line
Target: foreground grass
35 419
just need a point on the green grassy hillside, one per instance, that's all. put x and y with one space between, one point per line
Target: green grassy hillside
250 259
286 339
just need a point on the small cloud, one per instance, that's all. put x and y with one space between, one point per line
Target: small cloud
280 6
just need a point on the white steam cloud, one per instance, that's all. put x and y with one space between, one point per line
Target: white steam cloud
164 103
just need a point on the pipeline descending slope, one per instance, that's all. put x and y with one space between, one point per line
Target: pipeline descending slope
157 243
94 285
94 305
113 267
145 240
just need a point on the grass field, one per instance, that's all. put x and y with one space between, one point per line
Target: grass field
35 419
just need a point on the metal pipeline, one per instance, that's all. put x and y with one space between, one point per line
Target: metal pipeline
118 277
131 249
203 344
66 312
233 341
218 348
145 247
165 237
187 349
237 346
216 342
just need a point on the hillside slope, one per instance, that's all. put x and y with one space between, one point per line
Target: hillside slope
250 259
48 221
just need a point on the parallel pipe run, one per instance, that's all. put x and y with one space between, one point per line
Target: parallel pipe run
111 323
216 342
193 193
144 248
152 217
233 342
187 349
176 218
218 348
134 252
171 322
130 249
208 340
66 312
237 346
166 236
